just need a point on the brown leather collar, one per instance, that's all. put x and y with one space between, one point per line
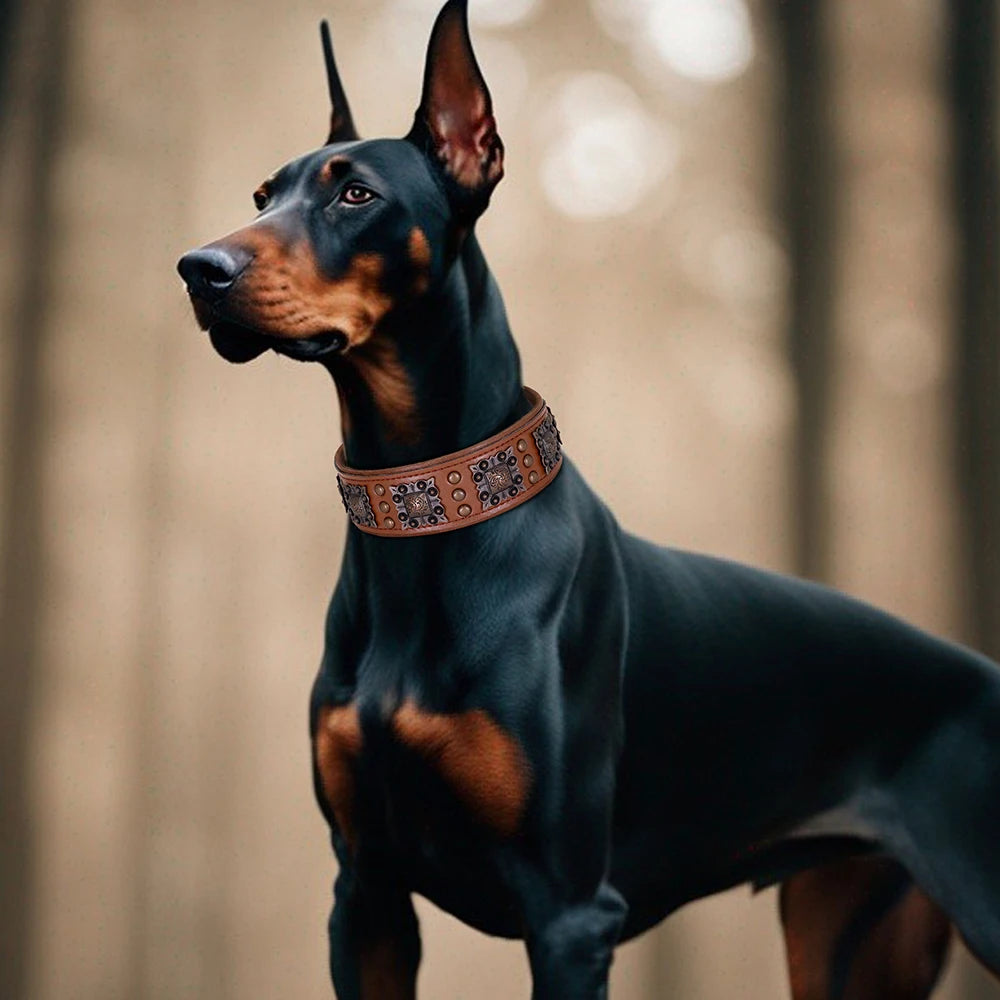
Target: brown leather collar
463 488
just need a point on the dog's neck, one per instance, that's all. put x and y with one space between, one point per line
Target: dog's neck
438 375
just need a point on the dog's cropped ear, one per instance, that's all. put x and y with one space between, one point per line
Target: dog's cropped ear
341 124
454 124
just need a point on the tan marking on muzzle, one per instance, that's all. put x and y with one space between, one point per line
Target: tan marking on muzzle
284 294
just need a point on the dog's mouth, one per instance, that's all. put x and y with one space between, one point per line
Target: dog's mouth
240 343
236 343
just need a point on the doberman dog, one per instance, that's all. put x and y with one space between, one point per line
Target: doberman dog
553 729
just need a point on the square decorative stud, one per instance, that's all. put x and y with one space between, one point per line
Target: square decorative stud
497 479
548 441
418 503
356 503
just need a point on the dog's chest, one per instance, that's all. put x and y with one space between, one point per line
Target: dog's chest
438 793
421 768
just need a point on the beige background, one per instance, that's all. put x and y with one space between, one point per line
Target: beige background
191 527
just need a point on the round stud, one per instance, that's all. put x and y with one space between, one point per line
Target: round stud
532 477
522 445
454 477
528 461
465 510
458 494
389 523
379 490
384 507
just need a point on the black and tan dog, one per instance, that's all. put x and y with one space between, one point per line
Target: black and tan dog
553 729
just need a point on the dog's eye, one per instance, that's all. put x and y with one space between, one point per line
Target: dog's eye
357 194
260 199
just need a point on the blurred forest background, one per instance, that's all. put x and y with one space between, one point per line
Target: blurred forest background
748 246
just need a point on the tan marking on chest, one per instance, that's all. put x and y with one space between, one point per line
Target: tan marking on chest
482 764
338 743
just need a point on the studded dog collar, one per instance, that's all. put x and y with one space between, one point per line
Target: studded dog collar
462 488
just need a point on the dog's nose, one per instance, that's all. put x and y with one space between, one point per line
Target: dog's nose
210 272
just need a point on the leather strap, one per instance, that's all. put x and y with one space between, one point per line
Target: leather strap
462 488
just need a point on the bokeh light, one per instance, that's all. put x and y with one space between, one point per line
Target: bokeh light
708 41
482 13
604 152
501 13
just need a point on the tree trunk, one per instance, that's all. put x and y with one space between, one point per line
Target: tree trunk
805 148
972 87
22 570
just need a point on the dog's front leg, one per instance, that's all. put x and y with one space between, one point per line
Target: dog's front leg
374 941
570 946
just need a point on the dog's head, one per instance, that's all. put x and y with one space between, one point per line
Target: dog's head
359 228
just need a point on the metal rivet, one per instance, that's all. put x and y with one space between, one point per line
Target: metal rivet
384 507
522 445
532 477
389 522
458 494
454 477
528 461
465 510
380 490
